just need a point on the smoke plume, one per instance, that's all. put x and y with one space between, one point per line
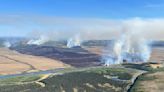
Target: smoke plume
74 41
7 44
41 40
130 46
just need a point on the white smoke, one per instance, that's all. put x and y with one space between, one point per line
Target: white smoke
109 61
41 40
130 46
74 41
121 51
117 49
7 44
145 50
100 29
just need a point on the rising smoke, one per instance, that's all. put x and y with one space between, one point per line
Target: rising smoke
129 52
74 41
130 46
7 44
101 29
131 37
41 40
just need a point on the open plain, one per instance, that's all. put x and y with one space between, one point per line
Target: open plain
12 62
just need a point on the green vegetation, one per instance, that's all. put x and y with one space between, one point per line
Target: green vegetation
143 67
19 88
15 80
94 77
100 79
138 66
122 73
18 84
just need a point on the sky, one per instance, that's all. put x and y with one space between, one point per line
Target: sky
23 17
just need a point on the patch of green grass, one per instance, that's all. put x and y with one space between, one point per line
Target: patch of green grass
79 79
122 73
157 70
20 88
137 66
19 79
143 67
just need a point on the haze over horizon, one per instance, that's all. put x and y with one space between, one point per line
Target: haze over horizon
101 19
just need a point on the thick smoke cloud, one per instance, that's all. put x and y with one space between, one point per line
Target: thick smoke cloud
151 29
90 29
56 28
133 44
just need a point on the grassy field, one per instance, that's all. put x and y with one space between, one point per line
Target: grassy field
151 81
20 79
90 80
18 84
12 62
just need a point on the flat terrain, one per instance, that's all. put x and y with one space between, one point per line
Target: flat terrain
12 62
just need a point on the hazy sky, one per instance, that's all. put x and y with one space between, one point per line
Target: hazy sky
20 17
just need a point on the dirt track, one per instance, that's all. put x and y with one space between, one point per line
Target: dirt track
12 62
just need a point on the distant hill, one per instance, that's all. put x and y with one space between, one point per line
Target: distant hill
97 43
158 44
11 40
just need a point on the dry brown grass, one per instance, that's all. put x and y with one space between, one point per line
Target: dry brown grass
152 83
95 50
157 54
12 62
